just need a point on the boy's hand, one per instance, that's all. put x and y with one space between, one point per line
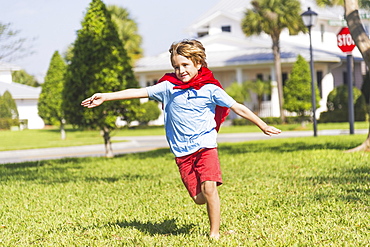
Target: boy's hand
95 100
270 130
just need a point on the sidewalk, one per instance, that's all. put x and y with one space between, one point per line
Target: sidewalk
142 144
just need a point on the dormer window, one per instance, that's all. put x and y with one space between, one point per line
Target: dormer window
202 34
203 31
226 29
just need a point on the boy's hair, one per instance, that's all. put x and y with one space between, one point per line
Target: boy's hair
191 49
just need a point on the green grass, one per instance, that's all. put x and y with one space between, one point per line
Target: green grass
280 192
45 138
30 139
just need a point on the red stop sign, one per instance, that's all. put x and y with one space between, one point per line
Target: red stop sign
345 41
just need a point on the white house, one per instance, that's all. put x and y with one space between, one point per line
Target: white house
25 97
233 57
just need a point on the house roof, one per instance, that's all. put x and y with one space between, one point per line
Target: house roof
227 49
254 50
8 67
234 8
20 91
237 8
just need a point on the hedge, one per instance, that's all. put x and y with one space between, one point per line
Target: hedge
6 123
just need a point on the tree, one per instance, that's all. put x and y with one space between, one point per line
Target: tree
241 92
8 111
8 107
238 91
363 3
337 105
23 77
51 98
297 89
272 17
127 31
260 88
362 41
148 111
99 64
11 45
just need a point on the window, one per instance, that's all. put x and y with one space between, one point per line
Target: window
151 83
345 81
284 77
202 34
226 29
319 76
203 31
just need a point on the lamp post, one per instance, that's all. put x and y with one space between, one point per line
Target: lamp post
309 18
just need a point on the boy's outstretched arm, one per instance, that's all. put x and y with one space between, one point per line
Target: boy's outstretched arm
98 98
244 112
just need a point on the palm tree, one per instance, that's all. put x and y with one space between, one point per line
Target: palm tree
238 91
260 88
362 41
127 31
272 17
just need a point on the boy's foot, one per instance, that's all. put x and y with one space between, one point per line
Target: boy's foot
214 236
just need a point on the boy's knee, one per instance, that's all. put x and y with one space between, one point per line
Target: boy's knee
199 199
209 188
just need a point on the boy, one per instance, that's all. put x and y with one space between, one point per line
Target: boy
194 105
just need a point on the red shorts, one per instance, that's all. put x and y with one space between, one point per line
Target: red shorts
198 167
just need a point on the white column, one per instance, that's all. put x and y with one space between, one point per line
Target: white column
239 75
327 85
275 109
142 80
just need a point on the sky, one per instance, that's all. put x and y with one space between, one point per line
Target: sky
51 25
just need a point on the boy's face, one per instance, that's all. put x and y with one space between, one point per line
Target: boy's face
185 69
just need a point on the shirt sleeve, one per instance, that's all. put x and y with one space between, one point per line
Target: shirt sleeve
157 92
221 98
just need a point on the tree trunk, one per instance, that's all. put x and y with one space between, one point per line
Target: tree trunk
279 80
357 30
62 129
107 143
363 147
363 43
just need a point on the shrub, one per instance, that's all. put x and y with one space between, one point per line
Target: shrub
8 107
6 123
149 111
238 92
268 120
338 106
297 89
273 120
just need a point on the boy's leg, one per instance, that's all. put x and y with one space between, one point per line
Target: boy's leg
210 195
203 166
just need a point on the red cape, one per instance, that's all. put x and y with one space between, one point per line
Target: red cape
205 76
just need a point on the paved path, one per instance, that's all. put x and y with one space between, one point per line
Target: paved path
142 144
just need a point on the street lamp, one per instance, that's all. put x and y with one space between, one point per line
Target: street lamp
309 19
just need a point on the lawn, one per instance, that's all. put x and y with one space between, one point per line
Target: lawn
279 192
45 138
